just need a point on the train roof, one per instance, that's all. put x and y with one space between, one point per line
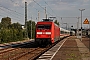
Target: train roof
50 21
47 20
41 22
73 31
62 29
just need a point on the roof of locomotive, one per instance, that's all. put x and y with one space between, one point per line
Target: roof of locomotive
45 21
41 22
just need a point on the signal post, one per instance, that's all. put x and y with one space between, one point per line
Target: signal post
87 22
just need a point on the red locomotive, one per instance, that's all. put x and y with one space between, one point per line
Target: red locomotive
46 32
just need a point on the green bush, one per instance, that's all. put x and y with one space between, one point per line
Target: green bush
9 35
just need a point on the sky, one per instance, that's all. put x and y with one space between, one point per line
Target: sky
65 11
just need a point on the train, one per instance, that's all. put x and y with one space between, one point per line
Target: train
88 33
47 32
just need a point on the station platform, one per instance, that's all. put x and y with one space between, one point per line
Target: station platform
74 49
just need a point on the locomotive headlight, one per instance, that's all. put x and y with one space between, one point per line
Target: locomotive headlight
48 32
39 32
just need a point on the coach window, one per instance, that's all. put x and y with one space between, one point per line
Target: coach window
62 32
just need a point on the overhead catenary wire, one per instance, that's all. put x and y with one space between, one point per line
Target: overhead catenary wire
50 8
9 13
16 14
35 8
11 10
30 6
38 11
38 4
17 18
53 12
42 7
16 3
13 14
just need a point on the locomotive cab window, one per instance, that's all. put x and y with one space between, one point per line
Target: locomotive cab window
40 26
44 26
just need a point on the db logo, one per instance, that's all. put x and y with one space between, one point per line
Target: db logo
43 33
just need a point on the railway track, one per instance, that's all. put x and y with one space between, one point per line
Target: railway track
23 53
52 52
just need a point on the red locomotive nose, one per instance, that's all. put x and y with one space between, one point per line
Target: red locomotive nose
43 32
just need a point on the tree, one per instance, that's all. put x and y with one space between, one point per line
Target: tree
0 25
12 33
15 26
56 22
6 22
17 31
29 29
